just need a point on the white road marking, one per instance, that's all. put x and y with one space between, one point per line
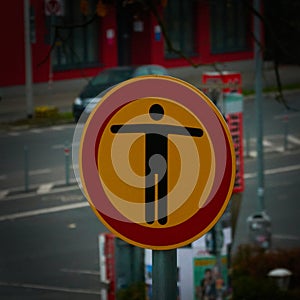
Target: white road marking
87 272
39 172
62 127
282 170
68 198
267 143
65 189
279 149
3 177
72 226
52 191
44 188
253 153
57 128
36 130
49 288
14 133
58 147
43 211
274 171
286 237
293 139
271 148
84 204
3 194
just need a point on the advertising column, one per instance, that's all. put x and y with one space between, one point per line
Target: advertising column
224 89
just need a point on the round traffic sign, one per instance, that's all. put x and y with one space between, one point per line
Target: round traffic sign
157 162
53 7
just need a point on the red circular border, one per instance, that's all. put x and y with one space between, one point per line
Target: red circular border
204 218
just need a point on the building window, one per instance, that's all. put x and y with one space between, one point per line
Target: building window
229 26
180 26
76 47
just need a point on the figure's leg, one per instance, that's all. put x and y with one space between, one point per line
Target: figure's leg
150 200
162 186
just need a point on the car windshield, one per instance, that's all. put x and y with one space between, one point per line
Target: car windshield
150 69
111 76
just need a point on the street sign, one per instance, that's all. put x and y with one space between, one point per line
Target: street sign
157 162
54 7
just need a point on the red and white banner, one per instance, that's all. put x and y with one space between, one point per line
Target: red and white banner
107 265
235 124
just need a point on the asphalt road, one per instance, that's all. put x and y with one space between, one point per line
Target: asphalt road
281 200
282 171
45 157
49 238
52 251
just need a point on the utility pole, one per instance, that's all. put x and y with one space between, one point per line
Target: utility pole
258 106
28 62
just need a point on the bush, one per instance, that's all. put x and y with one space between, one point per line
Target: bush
250 267
250 288
136 291
46 111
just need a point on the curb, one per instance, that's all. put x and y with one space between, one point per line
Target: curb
42 189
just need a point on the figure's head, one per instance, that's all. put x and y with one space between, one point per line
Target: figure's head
156 112
207 273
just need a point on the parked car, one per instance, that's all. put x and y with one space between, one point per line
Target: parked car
108 78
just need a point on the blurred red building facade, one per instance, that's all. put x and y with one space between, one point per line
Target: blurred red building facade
206 31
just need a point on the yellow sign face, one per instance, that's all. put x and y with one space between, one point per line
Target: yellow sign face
157 162
190 164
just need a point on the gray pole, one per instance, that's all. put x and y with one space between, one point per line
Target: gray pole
218 241
286 131
26 169
258 106
164 274
67 162
28 63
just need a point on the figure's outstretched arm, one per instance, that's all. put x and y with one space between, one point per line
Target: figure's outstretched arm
115 128
128 128
162 129
194 131
181 130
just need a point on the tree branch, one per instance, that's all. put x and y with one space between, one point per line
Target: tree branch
62 27
280 96
171 48
71 26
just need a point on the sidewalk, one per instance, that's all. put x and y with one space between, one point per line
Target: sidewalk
62 93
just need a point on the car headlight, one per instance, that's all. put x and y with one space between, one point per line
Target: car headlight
78 101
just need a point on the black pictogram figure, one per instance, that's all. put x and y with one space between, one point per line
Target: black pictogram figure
156 159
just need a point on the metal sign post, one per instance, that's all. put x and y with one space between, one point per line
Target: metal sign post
28 61
164 274
259 109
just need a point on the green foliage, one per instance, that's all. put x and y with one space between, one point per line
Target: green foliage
136 291
46 112
250 288
48 119
274 89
